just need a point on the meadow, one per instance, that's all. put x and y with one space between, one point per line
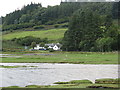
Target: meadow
62 57
51 34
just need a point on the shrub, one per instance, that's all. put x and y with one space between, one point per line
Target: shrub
49 23
17 26
56 26
51 50
64 26
39 27
27 40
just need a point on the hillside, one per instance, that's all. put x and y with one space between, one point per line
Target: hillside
84 21
51 34
34 14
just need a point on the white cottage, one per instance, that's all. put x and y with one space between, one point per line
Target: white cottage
54 46
39 48
50 46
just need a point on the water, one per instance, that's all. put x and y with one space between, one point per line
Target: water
47 74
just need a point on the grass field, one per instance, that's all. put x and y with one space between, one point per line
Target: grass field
64 57
52 34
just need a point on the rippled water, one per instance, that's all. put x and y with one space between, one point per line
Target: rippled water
47 74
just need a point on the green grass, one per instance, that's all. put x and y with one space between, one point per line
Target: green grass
1 66
35 86
107 81
13 87
51 34
83 84
74 84
66 57
69 86
80 82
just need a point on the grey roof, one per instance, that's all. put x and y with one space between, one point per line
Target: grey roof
53 44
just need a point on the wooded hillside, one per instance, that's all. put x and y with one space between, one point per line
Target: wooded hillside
34 14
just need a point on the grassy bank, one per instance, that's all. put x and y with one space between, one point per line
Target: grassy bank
63 57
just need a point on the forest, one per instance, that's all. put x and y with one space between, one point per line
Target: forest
91 26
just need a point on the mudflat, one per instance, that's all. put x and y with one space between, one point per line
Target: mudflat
47 74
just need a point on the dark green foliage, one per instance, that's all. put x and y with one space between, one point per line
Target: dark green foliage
42 44
56 26
17 26
12 46
83 31
89 31
39 27
51 50
26 41
46 47
61 82
33 44
21 16
64 26
115 9
36 14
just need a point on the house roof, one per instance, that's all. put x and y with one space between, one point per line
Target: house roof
53 44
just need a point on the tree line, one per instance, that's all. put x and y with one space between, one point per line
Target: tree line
35 14
90 31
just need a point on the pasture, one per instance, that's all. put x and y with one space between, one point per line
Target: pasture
51 34
62 57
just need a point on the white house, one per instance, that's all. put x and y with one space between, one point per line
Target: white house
54 46
50 46
39 48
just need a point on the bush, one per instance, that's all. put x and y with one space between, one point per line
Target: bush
49 23
26 41
64 26
17 26
56 26
39 27
63 20
51 50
